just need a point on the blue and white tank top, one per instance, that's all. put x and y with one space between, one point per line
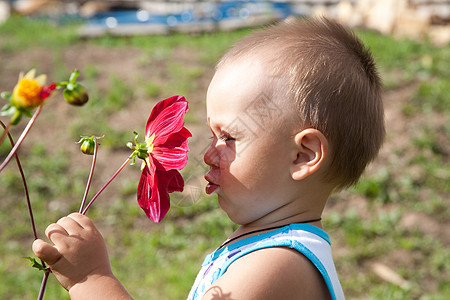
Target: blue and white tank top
309 240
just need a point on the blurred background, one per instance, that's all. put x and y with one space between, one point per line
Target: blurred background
390 233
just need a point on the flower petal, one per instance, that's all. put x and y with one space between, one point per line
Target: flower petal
173 154
172 179
47 91
178 139
149 197
176 159
171 158
166 118
30 74
153 192
168 182
41 79
146 187
168 154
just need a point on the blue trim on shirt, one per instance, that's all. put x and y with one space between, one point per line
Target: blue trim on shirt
316 261
252 239
293 245
313 229
271 243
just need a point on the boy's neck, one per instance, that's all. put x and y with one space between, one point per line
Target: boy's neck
313 218
308 206
251 229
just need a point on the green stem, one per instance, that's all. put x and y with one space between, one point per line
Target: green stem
30 210
43 285
91 173
5 132
21 138
25 186
106 184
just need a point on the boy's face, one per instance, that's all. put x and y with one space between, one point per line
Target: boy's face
252 145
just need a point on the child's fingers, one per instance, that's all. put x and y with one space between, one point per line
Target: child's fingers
71 226
83 220
55 232
46 252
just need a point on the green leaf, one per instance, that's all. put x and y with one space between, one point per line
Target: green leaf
6 95
16 117
8 110
35 264
73 76
61 84
70 86
90 138
27 113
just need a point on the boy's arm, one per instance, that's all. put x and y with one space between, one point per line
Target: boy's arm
99 287
79 259
267 274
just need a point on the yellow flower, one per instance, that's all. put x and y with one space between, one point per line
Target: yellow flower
147 146
28 91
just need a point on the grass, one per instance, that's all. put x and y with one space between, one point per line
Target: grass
426 62
157 47
367 223
19 33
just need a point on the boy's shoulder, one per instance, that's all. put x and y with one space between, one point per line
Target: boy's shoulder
270 273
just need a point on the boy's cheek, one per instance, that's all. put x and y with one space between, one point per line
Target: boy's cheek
226 158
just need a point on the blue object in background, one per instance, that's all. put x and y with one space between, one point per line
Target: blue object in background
200 12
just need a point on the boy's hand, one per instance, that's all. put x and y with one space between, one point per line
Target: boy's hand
78 252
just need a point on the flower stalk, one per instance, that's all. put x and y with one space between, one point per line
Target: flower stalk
43 284
30 212
105 185
29 93
91 173
25 186
5 131
21 138
164 150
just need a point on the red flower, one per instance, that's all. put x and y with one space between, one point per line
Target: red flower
47 91
30 91
166 145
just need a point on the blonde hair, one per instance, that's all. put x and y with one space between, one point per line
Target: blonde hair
327 72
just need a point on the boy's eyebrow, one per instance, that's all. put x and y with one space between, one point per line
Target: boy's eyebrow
221 125
215 123
224 124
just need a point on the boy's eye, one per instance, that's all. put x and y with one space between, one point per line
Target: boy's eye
226 137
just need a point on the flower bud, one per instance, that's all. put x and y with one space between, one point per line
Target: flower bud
87 145
76 94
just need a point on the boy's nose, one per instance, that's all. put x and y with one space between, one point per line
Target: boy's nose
211 157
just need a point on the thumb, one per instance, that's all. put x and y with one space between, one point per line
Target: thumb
46 252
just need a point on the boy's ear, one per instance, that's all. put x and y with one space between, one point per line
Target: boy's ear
312 148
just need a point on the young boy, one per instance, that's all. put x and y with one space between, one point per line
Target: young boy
296 113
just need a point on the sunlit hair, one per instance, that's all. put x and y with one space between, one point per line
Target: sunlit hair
331 77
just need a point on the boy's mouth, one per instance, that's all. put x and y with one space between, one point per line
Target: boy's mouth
211 187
